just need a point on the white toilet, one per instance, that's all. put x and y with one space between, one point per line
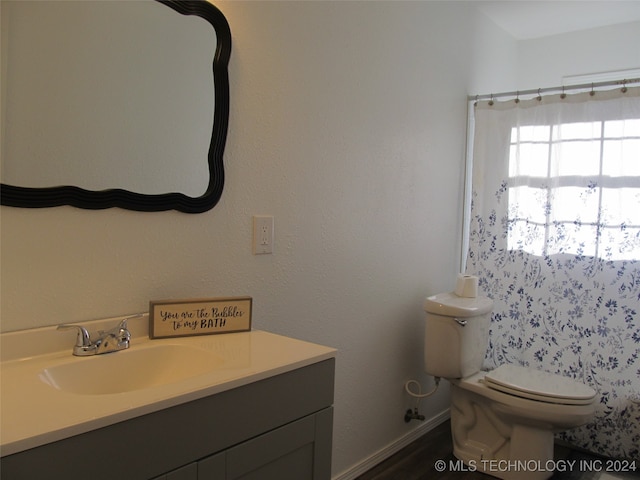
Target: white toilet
502 421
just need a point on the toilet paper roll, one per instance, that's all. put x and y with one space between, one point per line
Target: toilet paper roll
467 286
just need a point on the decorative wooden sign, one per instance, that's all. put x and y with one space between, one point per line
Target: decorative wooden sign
204 316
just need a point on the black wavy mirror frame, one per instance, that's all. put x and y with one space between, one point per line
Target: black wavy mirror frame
27 197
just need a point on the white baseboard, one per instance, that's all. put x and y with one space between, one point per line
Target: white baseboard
381 455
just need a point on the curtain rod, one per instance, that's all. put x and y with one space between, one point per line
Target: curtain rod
539 91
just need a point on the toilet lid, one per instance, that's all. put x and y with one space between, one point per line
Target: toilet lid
538 385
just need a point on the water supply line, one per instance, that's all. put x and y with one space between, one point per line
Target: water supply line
414 414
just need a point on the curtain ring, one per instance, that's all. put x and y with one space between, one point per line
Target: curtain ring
539 97
563 95
592 92
491 100
624 86
517 100
475 104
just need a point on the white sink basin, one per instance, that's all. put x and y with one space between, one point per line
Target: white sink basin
129 370
47 394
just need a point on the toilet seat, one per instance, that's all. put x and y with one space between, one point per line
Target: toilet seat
538 385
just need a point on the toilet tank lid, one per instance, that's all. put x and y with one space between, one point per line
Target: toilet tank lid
451 305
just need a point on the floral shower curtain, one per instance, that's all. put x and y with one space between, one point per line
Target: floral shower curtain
554 236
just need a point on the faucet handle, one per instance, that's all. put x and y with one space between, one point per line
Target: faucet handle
121 328
83 339
123 324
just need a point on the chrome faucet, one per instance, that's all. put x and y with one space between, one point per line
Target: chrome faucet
118 338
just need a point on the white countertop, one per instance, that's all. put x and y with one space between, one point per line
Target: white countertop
33 413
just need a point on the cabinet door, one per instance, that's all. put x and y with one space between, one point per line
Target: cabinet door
300 450
213 467
285 453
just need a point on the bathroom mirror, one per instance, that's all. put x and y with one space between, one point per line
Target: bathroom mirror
114 104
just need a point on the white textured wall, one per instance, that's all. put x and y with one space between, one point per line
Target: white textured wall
543 62
348 125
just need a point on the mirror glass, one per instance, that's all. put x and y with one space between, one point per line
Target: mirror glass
113 97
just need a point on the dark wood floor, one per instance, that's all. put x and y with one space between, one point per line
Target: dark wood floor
419 460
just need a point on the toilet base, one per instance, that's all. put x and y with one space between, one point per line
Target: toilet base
487 441
528 466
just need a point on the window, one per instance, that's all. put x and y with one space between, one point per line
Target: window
575 188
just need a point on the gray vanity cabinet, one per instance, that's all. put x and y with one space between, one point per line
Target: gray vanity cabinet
279 428
296 451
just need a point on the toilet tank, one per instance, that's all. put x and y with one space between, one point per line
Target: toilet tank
456 334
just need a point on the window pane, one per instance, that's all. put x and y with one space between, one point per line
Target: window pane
577 239
529 159
572 204
576 131
530 133
621 243
527 236
576 158
528 203
622 128
621 206
621 158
